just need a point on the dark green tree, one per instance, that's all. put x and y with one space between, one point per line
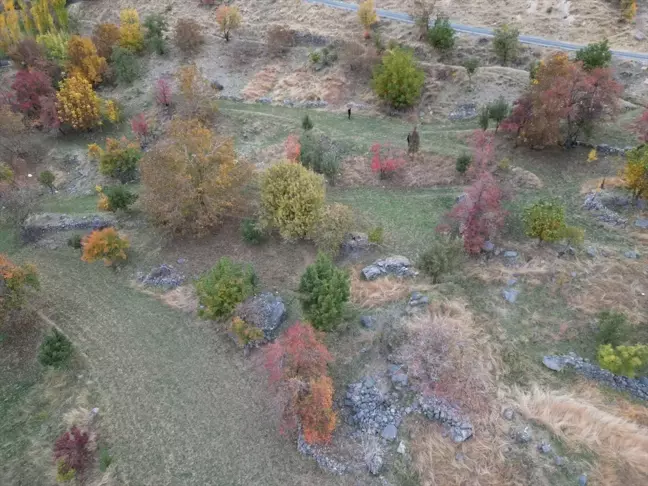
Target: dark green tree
595 55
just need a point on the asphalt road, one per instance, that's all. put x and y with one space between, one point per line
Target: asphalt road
481 31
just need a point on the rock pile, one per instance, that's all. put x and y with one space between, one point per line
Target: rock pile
265 311
636 387
321 458
594 202
38 225
162 276
398 266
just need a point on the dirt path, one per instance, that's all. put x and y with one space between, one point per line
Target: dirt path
182 407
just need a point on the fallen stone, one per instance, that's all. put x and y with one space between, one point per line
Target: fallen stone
631 254
553 363
401 448
508 414
266 311
641 223
399 379
638 35
510 254
398 266
417 298
582 480
324 461
464 111
544 447
488 246
559 460
461 434
591 252
511 281
389 432
523 436
162 276
510 295
367 322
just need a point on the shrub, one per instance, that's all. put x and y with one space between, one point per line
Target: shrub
119 198
55 45
623 360
463 162
573 235
506 43
359 59
484 117
47 178
77 104
314 156
245 333
15 279
498 110
367 15
130 30
163 93
156 26
324 290
27 53
376 235
6 173
30 88
613 328
385 161
398 80
228 19
111 111
336 221
105 37
298 362
635 172
55 350
73 448
75 241
545 220
252 232
64 473
280 40
188 36
125 64
198 98
413 142
140 128
307 124
442 257
192 179
119 159
471 65
105 244
83 59
292 198
595 55
105 459
223 287
442 35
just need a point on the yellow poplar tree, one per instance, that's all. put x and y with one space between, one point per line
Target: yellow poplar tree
367 15
228 19
130 30
83 59
77 104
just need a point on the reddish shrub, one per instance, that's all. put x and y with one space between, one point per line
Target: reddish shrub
73 449
385 160
140 127
49 118
293 148
315 411
29 87
163 94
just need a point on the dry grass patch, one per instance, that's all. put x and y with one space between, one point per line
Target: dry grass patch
420 170
304 84
183 298
450 357
583 422
382 291
591 185
262 83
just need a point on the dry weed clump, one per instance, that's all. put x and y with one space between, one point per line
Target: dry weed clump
376 293
447 354
183 298
582 421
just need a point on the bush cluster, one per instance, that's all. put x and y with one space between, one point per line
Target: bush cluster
442 257
442 35
336 222
119 159
225 286
398 80
55 350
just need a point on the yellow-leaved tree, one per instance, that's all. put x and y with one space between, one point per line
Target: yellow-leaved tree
83 59
635 172
77 104
192 179
367 16
130 30
228 19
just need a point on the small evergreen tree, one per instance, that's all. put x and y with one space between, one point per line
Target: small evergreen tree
443 256
324 289
55 350
506 43
463 162
595 55
471 65
442 35
47 178
307 124
126 65
498 111
119 197
156 26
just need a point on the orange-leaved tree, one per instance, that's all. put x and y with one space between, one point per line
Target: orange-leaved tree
192 179
83 59
106 245
77 104
297 363
228 19
14 281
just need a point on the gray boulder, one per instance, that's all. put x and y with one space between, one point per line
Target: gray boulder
398 266
417 299
162 276
389 432
510 295
367 322
265 311
355 243
633 255
642 223
553 363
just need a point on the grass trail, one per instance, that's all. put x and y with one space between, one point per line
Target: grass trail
184 406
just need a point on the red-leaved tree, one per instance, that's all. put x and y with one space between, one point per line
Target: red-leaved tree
479 212
163 93
140 128
385 160
73 448
29 87
292 147
297 364
564 101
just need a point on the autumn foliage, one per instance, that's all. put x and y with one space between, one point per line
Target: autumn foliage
130 30
293 148
193 179
297 364
73 449
84 61
30 88
77 103
635 172
479 212
564 101
228 19
385 160
14 280
106 245
105 37
163 93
